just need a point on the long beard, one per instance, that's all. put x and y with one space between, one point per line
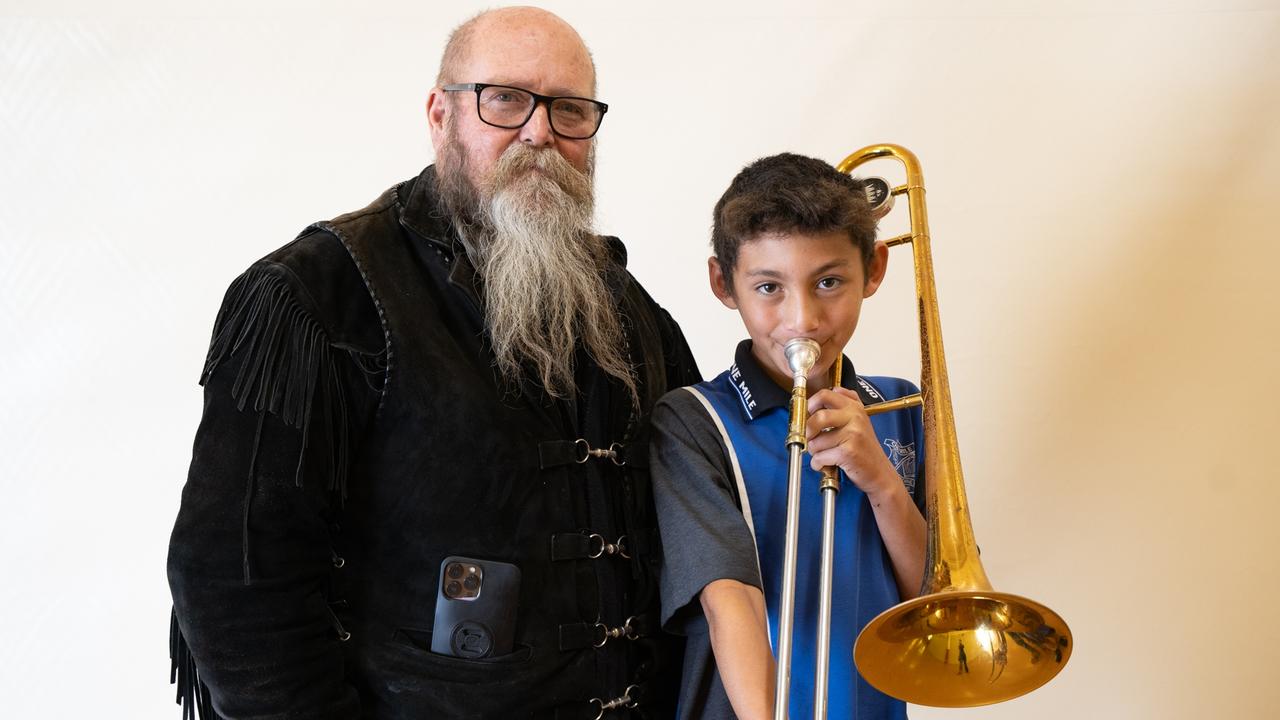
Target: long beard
527 229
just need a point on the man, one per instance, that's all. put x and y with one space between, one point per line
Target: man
461 370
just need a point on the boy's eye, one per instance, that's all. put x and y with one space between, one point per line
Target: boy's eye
767 288
829 283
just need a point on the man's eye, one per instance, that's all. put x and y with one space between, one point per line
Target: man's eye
829 283
504 96
570 110
767 288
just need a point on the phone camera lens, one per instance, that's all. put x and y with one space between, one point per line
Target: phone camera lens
454 571
453 589
471 583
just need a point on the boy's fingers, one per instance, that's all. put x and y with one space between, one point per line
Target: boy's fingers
820 443
832 456
826 442
819 460
833 398
828 419
824 422
825 398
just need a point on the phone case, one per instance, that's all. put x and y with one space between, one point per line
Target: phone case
476 603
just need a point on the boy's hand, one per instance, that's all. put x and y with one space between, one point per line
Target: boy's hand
851 444
840 434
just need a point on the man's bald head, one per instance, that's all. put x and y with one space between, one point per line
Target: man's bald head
501 26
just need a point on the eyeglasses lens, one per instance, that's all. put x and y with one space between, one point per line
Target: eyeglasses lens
511 108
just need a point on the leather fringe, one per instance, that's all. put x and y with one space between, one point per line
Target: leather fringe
192 694
288 366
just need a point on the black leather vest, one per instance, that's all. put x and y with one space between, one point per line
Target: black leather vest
460 461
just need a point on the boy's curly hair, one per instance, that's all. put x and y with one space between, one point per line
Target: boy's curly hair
788 193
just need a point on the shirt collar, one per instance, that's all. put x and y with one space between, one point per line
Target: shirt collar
759 394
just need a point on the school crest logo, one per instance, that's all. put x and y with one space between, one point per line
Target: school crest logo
903 458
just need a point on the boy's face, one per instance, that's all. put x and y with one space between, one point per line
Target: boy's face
790 285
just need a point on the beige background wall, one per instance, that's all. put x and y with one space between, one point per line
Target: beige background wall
1103 181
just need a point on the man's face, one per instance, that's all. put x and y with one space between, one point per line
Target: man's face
536 56
522 203
790 285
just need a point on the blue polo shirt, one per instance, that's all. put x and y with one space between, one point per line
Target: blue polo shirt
719 469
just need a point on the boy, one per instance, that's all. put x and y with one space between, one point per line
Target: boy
795 255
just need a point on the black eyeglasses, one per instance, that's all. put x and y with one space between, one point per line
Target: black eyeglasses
508 107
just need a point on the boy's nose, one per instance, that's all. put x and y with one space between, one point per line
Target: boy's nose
802 317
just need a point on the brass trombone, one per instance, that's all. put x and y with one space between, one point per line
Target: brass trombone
959 643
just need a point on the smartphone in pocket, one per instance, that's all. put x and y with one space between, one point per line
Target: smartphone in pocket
475 608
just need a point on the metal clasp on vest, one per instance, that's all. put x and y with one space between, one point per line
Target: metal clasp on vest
619 702
603 547
585 451
608 633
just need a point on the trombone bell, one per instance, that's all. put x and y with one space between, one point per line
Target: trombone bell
963 648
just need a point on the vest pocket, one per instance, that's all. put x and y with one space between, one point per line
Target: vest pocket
461 669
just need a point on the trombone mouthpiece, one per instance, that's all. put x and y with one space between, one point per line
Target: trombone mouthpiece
801 354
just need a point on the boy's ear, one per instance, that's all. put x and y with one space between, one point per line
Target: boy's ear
876 269
720 284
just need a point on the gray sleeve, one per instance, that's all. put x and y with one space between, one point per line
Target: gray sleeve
704 535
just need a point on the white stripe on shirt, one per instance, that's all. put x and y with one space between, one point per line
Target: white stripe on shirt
742 490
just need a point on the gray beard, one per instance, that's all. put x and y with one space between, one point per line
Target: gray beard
528 232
